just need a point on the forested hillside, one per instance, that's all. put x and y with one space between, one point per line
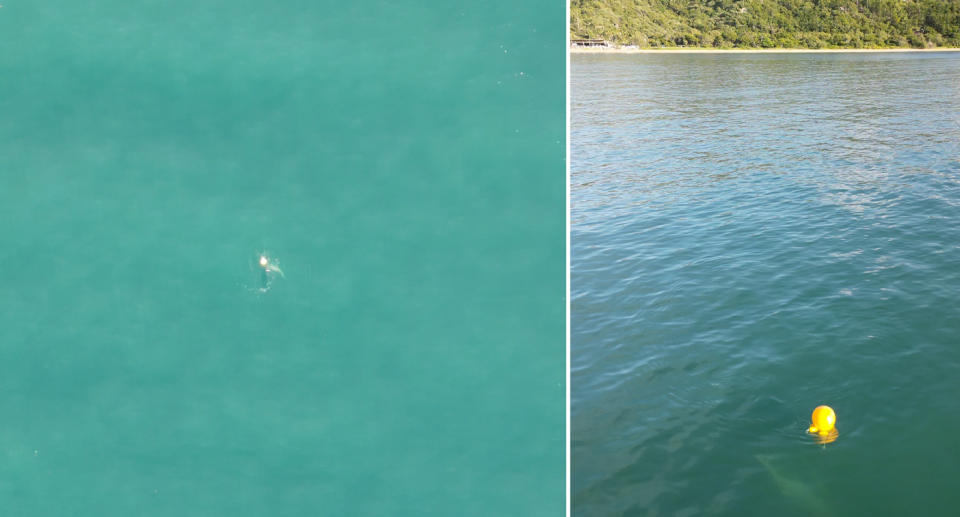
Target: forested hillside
769 23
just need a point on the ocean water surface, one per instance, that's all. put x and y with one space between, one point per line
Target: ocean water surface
410 360
752 236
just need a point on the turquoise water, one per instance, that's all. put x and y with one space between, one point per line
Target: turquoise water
752 236
403 163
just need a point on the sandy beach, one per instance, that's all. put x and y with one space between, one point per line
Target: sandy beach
635 50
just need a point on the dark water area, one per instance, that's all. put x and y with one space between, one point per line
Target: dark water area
410 359
752 236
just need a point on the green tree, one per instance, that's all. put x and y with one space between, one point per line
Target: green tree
766 23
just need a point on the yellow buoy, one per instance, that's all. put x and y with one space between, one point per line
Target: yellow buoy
823 420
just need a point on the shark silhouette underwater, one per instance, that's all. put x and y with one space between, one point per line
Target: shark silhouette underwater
800 493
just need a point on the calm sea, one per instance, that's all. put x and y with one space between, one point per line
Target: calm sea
752 236
403 163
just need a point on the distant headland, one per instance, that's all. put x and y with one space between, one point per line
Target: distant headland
643 25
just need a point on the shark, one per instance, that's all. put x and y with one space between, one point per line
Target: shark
797 491
270 266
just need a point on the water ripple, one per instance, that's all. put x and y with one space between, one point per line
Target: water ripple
752 235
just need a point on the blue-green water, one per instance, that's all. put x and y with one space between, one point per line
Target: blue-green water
754 235
405 165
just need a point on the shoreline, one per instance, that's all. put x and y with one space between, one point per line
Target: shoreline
691 50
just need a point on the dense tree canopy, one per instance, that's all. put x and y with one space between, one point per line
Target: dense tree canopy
769 23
